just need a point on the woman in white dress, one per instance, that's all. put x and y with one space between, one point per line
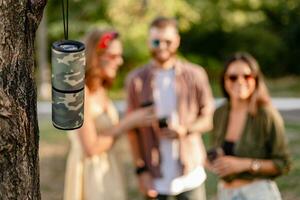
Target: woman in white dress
92 171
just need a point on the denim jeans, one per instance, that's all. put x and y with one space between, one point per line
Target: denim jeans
195 194
257 190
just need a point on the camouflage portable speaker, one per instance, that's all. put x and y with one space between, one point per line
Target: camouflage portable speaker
68 69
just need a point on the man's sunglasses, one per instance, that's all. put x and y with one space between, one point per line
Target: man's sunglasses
156 43
234 77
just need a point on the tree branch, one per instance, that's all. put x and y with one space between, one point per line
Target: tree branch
37 8
38 4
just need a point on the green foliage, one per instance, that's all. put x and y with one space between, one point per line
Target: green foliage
266 29
83 15
211 29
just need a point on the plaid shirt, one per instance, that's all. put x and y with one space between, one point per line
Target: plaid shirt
194 100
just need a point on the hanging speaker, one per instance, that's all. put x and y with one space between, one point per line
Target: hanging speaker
68 74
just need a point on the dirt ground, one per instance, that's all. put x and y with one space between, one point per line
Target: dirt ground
53 158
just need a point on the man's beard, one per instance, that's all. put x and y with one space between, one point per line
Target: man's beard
162 60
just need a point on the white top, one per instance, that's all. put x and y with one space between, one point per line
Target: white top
172 181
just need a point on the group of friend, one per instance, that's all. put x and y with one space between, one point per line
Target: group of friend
169 106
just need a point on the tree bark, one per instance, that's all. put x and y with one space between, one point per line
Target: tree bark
19 138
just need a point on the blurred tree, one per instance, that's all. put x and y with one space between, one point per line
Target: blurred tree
19 139
269 30
130 17
284 20
211 29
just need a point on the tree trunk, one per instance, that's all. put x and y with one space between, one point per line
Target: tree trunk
19 138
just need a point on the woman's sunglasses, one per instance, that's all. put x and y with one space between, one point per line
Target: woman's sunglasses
234 77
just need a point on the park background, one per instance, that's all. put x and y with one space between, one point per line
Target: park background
211 30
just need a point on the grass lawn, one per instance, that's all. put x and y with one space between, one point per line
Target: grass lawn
54 146
289 184
284 87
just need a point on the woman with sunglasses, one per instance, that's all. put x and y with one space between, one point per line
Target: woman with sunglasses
248 134
92 171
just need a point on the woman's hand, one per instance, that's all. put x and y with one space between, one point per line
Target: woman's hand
140 118
228 165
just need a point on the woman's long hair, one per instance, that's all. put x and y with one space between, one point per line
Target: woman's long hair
93 51
260 96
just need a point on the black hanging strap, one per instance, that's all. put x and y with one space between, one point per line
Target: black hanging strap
65 18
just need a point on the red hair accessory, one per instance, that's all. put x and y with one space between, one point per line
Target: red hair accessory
105 39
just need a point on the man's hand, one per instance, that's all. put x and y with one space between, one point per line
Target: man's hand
146 185
173 131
